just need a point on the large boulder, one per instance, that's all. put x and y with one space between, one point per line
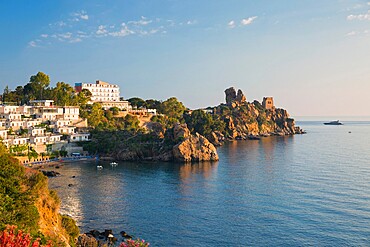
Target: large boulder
180 131
230 95
195 148
85 240
240 97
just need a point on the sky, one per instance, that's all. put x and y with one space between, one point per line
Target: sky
312 56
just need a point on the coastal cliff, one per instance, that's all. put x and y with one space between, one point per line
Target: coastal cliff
26 202
193 147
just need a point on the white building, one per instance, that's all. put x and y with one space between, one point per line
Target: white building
6 109
104 93
11 116
54 138
61 122
101 91
79 137
31 123
46 103
38 140
18 141
71 112
36 131
14 124
67 130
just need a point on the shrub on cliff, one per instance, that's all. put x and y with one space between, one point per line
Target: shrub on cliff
71 228
26 202
16 201
204 123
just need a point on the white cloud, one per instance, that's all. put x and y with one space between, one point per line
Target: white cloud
191 22
171 23
32 44
352 33
101 30
58 24
124 31
142 22
75 40
248 21
80 15
368 3
359 33
74 29
231 24
359 17
67 35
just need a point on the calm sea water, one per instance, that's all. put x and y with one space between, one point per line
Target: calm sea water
303 190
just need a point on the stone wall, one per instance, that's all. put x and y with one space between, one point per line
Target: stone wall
268 103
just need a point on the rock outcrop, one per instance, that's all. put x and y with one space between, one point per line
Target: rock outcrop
193 147
240 97
230 95
178 144
244 120
234 99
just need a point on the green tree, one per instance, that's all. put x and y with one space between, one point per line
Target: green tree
114 110
19 95
39 83
137 102
152 104
16 203
96 115
131 122
172 108
83 97
200 122
64 94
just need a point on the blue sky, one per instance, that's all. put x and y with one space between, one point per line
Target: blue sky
312 56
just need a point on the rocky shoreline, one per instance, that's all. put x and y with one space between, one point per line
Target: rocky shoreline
95 238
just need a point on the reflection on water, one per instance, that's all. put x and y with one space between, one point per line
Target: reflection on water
206 169
280 191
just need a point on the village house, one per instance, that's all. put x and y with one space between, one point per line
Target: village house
79 137
24 124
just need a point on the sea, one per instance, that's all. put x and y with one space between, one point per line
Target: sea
301 190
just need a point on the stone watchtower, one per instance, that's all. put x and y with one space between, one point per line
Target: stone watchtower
268 103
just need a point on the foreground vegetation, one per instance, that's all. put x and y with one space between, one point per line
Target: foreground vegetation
26 202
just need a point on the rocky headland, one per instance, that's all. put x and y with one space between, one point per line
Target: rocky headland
250 120
177 144
193 135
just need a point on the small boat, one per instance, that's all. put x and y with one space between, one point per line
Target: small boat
333 123
114 164
99 167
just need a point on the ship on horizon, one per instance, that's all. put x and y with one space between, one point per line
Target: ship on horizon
334 123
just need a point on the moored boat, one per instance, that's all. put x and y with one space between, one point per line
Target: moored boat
114 164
